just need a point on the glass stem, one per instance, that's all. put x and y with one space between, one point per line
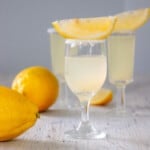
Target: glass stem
85 111
121 101
85 125
62 92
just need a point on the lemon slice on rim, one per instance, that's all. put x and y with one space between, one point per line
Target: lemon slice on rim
102 97
85 28
131 20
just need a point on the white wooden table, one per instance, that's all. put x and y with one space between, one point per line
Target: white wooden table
126 133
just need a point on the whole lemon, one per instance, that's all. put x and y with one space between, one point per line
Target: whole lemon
17 113
38 84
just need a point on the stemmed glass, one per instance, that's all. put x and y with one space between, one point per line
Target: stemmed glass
85 73
57 52
121 48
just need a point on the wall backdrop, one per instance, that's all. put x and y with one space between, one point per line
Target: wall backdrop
24 40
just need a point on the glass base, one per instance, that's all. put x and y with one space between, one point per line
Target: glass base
85 131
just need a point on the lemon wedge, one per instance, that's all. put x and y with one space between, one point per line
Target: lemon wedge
131 20
103 97
85 28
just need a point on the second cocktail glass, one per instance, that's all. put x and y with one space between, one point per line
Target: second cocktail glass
121 47
57 52
85 73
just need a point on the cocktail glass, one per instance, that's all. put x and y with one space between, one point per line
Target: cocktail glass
57 52
121 48
85 73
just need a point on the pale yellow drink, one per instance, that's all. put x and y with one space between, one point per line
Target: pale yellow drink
57 49
85 74
121 57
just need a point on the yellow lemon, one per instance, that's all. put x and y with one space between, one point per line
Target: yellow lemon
131 20
38 84
102 97
85 28
17 114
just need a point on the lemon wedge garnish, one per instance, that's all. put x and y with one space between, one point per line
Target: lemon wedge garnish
102 97
85 28
131 20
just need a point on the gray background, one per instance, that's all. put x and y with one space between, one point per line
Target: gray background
24 40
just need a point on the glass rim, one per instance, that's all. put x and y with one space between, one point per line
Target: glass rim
51 30
79 41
